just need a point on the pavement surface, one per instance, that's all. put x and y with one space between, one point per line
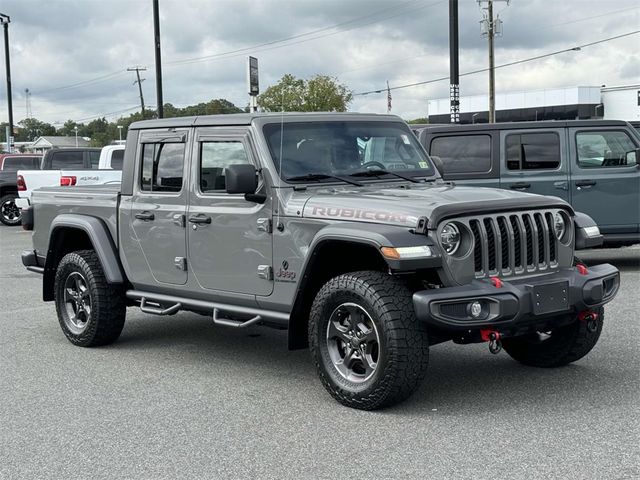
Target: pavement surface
181 398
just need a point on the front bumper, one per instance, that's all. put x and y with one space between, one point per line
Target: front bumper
517 302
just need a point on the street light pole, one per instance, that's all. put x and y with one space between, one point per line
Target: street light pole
5 20
120 132
76 130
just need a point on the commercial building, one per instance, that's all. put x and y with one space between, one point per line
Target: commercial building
571 103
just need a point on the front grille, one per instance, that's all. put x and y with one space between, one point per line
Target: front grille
513 243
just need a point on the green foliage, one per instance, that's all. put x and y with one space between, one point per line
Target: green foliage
320 93
31 128
418 120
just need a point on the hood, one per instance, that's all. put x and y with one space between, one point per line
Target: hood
403 206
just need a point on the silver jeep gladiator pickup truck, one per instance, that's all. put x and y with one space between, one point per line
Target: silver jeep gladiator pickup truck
337 227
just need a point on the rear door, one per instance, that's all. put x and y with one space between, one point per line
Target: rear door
158 206
468 158
605 183
229 238
532 161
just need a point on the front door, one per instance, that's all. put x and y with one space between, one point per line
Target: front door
158 206
605 181
229 238
532 162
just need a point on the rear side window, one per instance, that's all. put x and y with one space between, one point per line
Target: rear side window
67 160
605 149
13 164
94 159
162 167
117 158
533 151
463 153
214 158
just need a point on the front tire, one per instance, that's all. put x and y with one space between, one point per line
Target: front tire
9 213
90 310
369 349
557 347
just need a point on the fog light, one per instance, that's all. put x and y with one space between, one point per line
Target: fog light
475 309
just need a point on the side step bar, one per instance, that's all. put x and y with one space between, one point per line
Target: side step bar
218 309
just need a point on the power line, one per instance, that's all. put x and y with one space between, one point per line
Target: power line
274 44
530 59
83 83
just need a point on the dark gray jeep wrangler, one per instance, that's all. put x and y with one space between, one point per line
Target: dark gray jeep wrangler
335 226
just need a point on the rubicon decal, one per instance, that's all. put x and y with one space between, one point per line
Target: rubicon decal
361 214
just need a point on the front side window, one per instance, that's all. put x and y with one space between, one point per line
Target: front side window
463 153
605 149
67 160
533 151
325 148
214 158
162 167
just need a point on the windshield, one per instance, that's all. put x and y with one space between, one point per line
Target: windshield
321 150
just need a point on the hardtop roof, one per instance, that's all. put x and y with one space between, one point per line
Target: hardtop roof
523 125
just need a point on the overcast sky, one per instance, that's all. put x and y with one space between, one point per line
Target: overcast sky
73 54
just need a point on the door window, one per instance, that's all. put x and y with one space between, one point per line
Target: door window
162 167
67 160
214 158
463 153
605 149
533 151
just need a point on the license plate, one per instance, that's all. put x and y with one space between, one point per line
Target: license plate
550 298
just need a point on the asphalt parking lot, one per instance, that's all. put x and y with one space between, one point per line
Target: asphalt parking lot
181 398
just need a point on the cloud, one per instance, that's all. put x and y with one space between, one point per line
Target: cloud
62 43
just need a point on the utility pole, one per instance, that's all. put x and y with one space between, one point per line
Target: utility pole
6 20
139 81
156 33
491 27
454 72
27 94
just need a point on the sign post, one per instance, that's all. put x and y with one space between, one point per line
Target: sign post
252 83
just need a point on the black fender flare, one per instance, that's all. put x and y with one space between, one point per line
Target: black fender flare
100 238
583 241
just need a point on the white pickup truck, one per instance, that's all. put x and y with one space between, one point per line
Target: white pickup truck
72 166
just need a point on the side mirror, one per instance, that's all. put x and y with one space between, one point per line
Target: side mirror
631 158
437 161
241 178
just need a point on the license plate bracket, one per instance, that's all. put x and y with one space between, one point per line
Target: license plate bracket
550 298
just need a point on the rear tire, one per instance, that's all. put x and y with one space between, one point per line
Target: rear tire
90 310
9 213
369 349
556 348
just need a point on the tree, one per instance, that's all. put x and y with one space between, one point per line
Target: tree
320 93
31 128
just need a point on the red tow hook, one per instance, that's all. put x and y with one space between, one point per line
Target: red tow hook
582 269
493 337
496 282
590 318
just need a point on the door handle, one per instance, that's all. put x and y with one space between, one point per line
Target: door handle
561 185
199 219
585 183
519 186
146 216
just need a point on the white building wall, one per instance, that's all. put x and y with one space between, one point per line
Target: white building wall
621 103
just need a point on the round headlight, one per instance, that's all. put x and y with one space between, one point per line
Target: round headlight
450 238
559 225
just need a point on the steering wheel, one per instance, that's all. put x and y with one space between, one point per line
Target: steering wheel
374 164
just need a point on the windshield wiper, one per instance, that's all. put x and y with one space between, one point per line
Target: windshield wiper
378 171
310 177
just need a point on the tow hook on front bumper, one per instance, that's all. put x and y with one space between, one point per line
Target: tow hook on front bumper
494 339
590 318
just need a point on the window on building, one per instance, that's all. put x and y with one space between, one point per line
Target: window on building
214 158
463 153
605 149
162 167
533 151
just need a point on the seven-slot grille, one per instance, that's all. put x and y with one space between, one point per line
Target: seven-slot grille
514 243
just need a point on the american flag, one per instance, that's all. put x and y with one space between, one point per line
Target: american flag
388 97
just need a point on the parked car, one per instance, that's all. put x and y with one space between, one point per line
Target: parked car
591 164
10 163
72 166
301 221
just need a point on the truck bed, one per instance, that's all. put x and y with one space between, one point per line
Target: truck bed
99 201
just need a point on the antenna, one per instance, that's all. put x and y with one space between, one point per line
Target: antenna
27 94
